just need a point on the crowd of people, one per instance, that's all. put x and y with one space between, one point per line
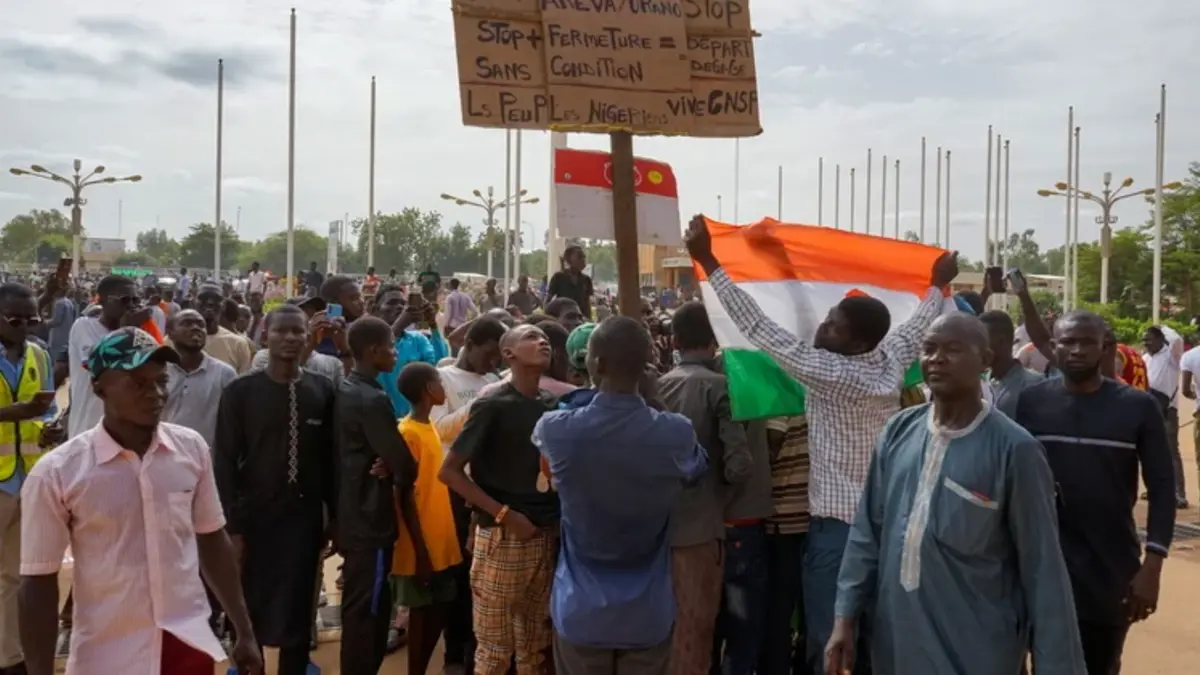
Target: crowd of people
542 488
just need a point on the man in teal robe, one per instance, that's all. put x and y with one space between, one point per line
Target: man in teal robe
954 554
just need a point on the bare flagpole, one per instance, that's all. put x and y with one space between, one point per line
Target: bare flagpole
867 220
220 147
1075 228
851 199
883 199
988 247
1159 170
837 196
371 187
996 211
1066 302
937 202
779 197
291 186
921 225
896 228
947 199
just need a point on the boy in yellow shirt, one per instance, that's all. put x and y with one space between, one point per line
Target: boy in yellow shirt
423 573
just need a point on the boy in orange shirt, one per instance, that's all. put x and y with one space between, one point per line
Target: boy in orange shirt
423 571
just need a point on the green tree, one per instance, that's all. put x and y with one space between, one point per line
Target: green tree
909 235
1129 274
271 252
157 244
25 236
403 240
1181 242
198 248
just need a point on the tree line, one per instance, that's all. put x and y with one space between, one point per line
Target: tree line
408 241
411 240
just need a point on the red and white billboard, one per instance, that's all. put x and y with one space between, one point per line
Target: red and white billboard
584 197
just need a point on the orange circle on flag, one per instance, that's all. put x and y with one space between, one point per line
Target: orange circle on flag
655 177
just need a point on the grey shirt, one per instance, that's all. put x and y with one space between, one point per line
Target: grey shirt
62 316
751 499
696 390
193 398
321 364
1007 390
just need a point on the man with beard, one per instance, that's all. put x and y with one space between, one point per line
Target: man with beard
274 463
222 344
194 385
954 547
1097 433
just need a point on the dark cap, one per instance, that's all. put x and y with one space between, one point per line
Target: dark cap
127 348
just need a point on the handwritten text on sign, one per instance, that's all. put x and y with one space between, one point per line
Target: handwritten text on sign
599 65
721 57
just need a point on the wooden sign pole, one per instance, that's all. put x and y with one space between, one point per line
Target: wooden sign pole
625 226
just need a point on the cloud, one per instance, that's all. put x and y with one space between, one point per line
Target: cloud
131 85
13 196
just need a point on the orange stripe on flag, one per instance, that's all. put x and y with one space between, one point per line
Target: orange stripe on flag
820 254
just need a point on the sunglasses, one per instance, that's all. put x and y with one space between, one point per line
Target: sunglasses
129 300
18 321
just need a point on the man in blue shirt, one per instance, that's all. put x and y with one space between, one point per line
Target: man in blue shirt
619 467
417 337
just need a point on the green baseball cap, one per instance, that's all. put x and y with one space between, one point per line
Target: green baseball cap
127 348
577 343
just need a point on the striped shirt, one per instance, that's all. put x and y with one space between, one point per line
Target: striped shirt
789 476
850 397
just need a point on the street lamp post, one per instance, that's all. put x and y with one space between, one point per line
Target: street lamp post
76 183
490 206
1107 198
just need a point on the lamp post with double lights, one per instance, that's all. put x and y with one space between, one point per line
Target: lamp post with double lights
1107 198
76 183
490 206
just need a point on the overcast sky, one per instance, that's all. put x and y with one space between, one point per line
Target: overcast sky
131 84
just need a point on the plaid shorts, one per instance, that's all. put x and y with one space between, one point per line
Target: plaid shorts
510 586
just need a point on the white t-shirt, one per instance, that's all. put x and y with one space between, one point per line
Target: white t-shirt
462 387
1162 372
1191 363
256 282
86 407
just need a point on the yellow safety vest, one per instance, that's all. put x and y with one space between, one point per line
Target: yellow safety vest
21 438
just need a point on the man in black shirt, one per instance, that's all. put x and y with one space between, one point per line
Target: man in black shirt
571 282
516 510
274 464
1097 432
368 530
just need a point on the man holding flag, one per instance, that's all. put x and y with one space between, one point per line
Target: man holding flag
852 372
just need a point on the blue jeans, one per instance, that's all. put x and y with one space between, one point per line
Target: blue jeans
780 654
822 560
743 605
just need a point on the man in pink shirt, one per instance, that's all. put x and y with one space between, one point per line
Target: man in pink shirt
136 501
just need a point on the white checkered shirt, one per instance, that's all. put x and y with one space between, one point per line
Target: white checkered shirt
849 398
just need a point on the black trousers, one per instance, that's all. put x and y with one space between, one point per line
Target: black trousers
1102 647
366 609
459 633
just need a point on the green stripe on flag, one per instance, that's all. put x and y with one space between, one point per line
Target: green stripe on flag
759 388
